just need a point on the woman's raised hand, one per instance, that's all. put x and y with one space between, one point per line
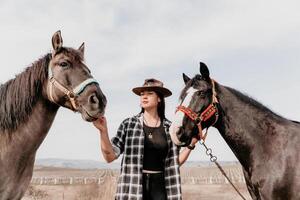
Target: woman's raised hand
101 124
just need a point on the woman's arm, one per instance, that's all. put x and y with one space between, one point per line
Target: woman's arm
106 146
184 154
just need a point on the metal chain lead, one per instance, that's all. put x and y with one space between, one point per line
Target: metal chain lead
214 160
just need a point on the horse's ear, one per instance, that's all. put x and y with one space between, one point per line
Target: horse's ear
81 48
57 41
185 78
204 70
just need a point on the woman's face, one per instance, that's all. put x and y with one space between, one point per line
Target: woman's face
149 99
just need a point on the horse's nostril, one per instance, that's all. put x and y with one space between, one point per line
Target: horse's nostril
93 99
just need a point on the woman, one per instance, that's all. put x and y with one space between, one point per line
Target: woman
150 164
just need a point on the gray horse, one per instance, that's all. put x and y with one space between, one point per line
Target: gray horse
29 103
266 144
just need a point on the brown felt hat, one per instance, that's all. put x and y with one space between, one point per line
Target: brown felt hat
152 85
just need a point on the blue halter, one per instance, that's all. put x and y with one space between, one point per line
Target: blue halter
71 94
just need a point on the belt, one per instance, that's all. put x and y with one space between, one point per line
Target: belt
152 172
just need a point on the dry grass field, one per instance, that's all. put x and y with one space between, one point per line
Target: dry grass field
198 183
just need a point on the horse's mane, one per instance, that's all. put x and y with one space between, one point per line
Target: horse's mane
19 95
251 101
243 97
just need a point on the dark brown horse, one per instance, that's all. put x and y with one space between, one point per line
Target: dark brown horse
266 144
29 103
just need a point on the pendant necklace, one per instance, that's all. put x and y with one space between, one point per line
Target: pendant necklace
151 128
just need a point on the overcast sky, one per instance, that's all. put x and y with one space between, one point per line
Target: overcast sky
252 46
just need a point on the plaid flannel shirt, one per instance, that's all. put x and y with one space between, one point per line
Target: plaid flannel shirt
130 141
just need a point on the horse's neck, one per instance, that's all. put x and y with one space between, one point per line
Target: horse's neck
243 125
32 132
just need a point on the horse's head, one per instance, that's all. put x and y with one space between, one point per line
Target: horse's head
197 109
70 83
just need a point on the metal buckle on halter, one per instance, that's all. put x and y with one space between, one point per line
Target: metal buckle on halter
52 80
198 120
71 95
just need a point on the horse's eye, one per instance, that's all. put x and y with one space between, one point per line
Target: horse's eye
64 64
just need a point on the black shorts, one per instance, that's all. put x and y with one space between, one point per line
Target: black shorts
154 187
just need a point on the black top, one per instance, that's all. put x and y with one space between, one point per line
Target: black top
155 148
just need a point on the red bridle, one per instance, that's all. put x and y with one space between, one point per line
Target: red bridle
209 112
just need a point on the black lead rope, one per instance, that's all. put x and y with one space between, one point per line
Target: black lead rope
214 160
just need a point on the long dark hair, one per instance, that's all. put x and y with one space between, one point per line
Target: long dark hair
160 107
19 95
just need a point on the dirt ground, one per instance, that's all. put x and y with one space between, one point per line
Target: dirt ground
213 192
197 184
190 192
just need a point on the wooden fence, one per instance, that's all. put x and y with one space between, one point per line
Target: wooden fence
236 176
